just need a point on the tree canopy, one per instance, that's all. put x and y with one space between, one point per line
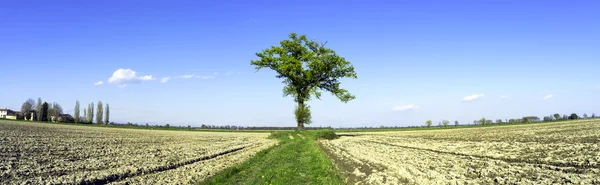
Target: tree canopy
307 68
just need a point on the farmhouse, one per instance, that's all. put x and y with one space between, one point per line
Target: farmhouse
8 114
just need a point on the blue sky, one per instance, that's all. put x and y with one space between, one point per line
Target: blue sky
415 60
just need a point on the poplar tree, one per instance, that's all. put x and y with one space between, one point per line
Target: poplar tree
76 113
85 117
39 109
99 113
106 115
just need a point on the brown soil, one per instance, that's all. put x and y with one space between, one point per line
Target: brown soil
347 167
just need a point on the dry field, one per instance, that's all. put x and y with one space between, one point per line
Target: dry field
37 153
550 153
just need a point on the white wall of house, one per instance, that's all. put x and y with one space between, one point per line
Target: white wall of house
3 113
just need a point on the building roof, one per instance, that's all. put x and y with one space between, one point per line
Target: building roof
6 109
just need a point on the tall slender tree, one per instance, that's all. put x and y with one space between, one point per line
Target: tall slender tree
39 109
106 115
85 117
76 114
306 67
91 112
44 113
99 115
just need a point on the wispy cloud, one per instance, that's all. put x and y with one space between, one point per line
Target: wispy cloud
404 108
99 83
472 97
205 77
186 76
229 73
548 96
165 79
122 77
503 97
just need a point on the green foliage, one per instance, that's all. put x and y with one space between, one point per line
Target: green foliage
99 115
45 111
167 125
585 116
90 112
107 114
307 68
483 121
428 123
326 134
573 116
39 109
445 123
303 114
76 114
455 123
276 135
27 107
557 116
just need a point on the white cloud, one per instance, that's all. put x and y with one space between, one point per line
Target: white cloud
503 97
186 76
122 77
165 79
215 73
228 73
547 96
472 97
99 83
205 77
404 108
123 85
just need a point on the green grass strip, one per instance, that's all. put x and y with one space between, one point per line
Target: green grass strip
293 161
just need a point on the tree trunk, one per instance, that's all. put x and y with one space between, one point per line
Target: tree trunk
301 120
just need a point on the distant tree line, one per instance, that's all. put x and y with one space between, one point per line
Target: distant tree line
53 112
41 111
527 119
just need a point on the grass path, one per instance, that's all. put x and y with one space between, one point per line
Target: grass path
293 161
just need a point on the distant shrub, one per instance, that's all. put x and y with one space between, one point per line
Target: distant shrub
326 134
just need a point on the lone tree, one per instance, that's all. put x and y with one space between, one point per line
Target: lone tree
557 116
306 67
428 123
455 123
